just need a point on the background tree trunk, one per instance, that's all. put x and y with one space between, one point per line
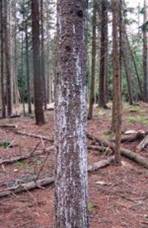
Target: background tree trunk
38 88
103 55
43 55
7 58
28 70
93 65
2 61
145 51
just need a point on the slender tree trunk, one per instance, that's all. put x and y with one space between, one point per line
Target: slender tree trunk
103 55
28 71
7 59
116 7
71 117
93 65
38 88
2 60
43 55
145 51
135 66
22 75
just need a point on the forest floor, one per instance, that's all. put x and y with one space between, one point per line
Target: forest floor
118 195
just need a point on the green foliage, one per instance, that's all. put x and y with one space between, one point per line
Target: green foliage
5 144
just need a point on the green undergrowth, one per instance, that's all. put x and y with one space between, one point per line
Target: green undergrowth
138 119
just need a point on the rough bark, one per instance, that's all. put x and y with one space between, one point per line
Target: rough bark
70 117
38 88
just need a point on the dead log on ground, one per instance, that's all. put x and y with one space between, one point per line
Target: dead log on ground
100 164
124 152
143 144
101 142
135 137
8 126
28 186
15 116
135 157
101 149
12 160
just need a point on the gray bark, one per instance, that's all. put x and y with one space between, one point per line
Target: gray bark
70 117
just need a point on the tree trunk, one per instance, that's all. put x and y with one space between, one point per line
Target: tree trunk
43 55
92 85
145 51
38 88
7 59
117 76
70 117
28 70
103 55
127 63
2 61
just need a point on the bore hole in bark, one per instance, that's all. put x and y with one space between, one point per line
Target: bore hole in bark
80 13
68 48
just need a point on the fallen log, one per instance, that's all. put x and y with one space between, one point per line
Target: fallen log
31 185
136 137
8 126
15 116
34 135
100 164
101 149
143 144
27 186
135 157
12 160
101 142
124 152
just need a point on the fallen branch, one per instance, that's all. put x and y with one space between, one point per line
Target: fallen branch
19 188
34 136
